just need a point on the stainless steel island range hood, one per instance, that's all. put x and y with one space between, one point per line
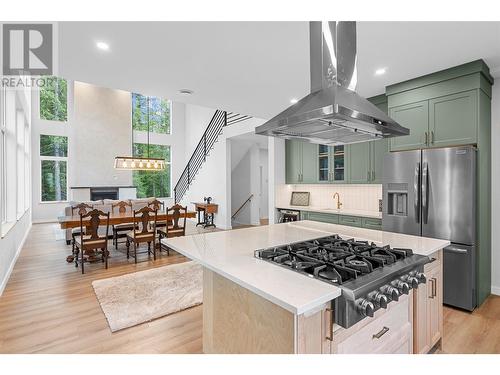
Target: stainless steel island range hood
332 113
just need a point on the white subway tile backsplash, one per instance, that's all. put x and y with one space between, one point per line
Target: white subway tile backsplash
357 197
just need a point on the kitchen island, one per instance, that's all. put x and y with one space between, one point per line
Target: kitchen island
253 306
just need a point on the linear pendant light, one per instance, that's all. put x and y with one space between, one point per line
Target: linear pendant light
132 163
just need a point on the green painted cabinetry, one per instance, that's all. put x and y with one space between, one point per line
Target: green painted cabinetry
349 220
453 119
300 162
414 116
359 162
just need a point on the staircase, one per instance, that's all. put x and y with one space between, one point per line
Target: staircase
215 127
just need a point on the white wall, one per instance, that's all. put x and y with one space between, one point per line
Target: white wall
241 183
264 183
495 189
214 177
276 157
102 130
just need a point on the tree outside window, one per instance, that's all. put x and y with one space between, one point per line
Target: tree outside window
159 114
54 157
149 183
54 99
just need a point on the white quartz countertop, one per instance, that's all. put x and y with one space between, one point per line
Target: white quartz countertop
342 211
231 254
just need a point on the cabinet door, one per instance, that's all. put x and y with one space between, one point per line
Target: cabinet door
435 305
453 119
359 163
293 150
338 163
323 166
379 149
414 117
421 341
308 168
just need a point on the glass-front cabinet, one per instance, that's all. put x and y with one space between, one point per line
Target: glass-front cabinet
331 164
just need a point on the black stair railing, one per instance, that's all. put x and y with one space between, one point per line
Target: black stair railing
219 120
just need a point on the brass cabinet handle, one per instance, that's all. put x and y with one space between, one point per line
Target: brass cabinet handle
373 175
434 284
432 136
426 139
431 281
368 176
330 324
382 332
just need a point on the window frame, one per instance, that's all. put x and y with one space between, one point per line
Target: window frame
3 140
52 158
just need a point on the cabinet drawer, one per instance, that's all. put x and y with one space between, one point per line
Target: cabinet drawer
323 217
372 223
353 221
387 333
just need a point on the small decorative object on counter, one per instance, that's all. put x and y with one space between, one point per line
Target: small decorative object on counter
207 200
300 198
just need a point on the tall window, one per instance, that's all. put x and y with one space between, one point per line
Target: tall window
159 114
156 119
20 135
54 160
152 184
54 99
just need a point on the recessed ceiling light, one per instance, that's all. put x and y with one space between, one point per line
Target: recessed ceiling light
293 101
103 46
380 71
186 92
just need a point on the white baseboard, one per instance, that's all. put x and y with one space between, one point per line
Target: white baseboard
495 290
44 221
13 263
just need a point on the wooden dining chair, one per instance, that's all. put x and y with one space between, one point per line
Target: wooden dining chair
121 230
91 240
173 229
79 209
142 233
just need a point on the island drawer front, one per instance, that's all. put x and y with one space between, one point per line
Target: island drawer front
353 221
372 223
323 217
388 333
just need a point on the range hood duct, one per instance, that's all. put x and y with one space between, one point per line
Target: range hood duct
333 113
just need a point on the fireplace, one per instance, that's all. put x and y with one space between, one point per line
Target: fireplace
99 193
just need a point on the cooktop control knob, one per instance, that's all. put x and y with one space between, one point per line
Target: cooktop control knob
402 286
365 307
411 280
391 292
421 277
379 299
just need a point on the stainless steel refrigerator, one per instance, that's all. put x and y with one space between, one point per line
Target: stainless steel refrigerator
432 193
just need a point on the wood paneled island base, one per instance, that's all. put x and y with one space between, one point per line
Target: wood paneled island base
235 320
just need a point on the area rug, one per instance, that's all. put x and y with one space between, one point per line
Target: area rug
140 297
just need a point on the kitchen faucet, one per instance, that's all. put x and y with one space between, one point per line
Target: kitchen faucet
338 200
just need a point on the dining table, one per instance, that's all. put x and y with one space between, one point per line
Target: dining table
73 221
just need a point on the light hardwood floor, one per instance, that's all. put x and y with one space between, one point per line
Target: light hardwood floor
48 306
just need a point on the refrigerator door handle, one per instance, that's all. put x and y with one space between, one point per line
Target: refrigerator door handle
425 175
416 184
454 249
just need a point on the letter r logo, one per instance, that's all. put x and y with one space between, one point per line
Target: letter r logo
27 49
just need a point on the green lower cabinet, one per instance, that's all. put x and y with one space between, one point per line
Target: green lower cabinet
323 217
452 119
372 223
353 221
414 116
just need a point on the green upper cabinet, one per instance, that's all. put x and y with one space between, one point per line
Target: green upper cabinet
452 119
293 151
300 162
330 164
440 109
359 160
414 116
378 150
308 172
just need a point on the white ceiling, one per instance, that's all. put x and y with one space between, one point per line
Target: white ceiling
255 68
